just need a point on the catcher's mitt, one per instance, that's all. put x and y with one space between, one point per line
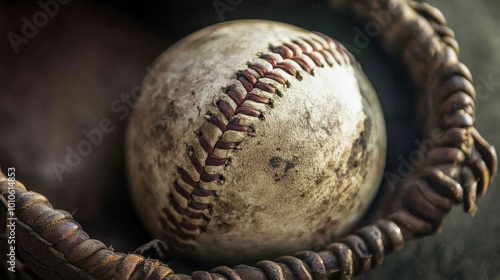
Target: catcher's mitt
457 168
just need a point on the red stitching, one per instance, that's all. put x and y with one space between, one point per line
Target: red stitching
215 120
265 87
226 145
307 53
276 77
205 144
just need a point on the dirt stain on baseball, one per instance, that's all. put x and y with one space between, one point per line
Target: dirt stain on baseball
282 166
171 110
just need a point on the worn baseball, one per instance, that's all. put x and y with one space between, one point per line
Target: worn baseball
254 139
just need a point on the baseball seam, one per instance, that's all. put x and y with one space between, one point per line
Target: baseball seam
189 213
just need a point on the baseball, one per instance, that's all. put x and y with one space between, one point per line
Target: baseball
254 139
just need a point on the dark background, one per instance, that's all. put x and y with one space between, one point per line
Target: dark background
89 55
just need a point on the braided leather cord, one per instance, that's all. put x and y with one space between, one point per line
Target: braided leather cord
457 169
53 245
461 164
